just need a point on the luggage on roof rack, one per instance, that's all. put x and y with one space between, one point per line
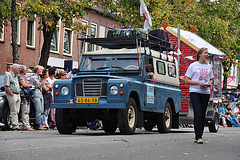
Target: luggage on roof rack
130 38
162 36
126 33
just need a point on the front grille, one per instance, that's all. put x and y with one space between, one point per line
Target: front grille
91 87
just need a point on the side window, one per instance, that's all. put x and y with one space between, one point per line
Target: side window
161 67
172 70
147 62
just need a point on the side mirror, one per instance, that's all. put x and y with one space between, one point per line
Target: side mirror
149 69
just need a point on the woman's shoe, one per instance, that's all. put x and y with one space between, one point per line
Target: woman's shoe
41 127
30 129
198 141
46 126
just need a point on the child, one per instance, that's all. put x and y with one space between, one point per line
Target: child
235 120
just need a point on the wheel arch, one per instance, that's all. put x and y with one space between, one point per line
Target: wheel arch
170 100
140 119
135 96
175 116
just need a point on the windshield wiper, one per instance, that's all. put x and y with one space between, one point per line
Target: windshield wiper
100 68
115 67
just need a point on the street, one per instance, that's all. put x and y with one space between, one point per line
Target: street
93 145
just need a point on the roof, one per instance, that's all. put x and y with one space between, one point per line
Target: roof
142 50
195 41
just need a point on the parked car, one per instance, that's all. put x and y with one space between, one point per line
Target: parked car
4 107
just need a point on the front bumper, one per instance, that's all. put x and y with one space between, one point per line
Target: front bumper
90 105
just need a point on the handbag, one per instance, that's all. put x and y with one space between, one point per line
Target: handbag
28 93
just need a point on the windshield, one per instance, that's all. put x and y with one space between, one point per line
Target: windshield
106 62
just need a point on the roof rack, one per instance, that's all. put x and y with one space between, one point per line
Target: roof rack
132 42
139 39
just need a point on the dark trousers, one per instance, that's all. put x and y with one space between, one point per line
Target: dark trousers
199 104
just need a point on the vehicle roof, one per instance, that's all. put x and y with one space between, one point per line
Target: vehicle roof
142 50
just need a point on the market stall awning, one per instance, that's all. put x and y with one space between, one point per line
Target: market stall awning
195 41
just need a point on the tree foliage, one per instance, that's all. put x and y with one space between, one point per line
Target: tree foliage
215 21
221 28
10 12
50 12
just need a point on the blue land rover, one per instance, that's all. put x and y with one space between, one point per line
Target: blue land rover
113 85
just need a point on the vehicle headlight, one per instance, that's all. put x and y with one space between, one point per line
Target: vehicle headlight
114 89
65 90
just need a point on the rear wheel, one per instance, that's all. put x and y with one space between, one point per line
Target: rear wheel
214 126
127 118
65 122
164 120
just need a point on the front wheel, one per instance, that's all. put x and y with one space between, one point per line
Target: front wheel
127 118
65 122
164 120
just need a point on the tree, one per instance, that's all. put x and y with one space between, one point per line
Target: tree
5 14
14 33
50 12
10 11
173 12
221 28
215 21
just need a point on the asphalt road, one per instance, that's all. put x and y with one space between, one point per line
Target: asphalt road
143 145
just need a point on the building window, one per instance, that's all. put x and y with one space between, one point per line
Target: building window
18 24
2 34
84 35
31 33
54 41
67 46
54 46
102 31
93 32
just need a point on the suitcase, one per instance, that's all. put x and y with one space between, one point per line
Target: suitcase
125 33
162 34
164 39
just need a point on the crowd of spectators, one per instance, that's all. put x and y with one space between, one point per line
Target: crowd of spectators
229 111
38 89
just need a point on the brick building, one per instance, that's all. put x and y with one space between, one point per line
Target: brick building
64 43
189 45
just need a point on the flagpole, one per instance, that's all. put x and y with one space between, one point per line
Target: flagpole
178 35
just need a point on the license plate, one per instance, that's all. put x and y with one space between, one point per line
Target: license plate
86 100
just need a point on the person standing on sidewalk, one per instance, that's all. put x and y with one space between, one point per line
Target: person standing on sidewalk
47 96
51 79
199 75
38 97
25 101
13 94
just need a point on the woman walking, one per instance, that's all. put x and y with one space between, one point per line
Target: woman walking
199 75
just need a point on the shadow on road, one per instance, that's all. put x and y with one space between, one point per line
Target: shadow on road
137 132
